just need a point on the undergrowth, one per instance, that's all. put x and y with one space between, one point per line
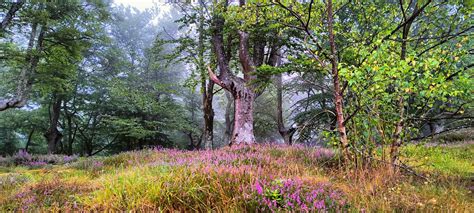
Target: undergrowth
260 178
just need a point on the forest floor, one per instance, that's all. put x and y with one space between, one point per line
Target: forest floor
239 179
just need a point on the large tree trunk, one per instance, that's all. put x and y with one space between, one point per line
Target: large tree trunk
338 98
243 117
241 88
53 136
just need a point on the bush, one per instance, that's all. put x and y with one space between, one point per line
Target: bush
296 195
23 158
93 164
456 136
6 162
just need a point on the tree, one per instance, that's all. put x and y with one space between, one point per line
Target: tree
286 133
304 25
192 49
244 90
365 38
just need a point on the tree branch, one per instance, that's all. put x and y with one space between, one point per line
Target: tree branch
10 14
214 77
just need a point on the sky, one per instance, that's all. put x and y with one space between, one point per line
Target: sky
139 4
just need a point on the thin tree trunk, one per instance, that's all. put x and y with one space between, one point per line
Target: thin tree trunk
274 60
10 14
207 86
192 141
53 136
286 133
397 139
70 132
28 142
208 136
228 118
25 78
338 98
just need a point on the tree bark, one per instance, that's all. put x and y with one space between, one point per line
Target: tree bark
10 14
228 118
25 78
338 98
28 142
52 135
71 128
286 133
208 135
207 86
243 118
242 92
397 139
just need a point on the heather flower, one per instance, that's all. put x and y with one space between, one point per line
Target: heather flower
37 163
68 159
259 188
21 157
158 148
319 204
296 195
322 153
20 195
97 164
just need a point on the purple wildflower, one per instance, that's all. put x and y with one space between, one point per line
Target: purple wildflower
259 188
319 204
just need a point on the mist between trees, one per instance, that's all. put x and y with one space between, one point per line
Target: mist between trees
97 78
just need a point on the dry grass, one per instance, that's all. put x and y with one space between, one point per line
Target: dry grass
239 179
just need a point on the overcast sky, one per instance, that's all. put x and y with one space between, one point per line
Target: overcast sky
140 4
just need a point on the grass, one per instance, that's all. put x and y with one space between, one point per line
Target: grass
240 179
446 161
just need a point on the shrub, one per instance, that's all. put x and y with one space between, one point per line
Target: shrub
296 195
55 159
93 165
21 157
35 161
36 164
8 161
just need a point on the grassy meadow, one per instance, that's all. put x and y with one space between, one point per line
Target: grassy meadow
259 178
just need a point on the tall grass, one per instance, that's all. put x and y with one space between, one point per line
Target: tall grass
268 178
